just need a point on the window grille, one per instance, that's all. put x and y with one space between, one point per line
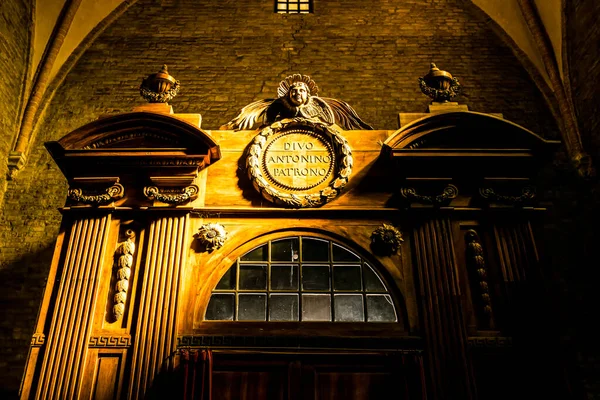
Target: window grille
293 6
301 279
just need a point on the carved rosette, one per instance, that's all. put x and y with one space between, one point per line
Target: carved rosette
386 239
212 236
124 261
475 253
450 192
111 194
180 196
336 174
527 195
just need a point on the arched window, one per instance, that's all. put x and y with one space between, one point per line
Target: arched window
301 279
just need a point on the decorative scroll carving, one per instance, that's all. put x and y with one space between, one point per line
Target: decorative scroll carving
38 340
131 135
450 192
110 341
212 236
298 200
160 87
114 192
490 342
124 261
439 85
186 194
475 253
386 239
527 194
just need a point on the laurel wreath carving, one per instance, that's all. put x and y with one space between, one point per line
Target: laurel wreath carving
440 95
114 192
186 194
475 251
450 192
124 261
344 167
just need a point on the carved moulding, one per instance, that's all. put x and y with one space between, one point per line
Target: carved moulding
124 261
212 236
386 239
330 178
114 192
172 196
450 192
527 194
110 341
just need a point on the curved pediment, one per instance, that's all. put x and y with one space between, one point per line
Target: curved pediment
464 130
139 130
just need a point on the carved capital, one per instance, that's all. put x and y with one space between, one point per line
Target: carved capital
450 192
527 194
171 196
116 191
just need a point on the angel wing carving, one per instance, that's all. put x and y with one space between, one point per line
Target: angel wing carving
297 99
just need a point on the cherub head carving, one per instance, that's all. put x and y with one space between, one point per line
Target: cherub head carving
298 93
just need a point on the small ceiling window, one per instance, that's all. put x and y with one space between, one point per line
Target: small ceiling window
301 279
293 6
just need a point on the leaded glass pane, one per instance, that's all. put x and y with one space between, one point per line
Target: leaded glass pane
380 308
227 282
316 307
347 277
342 254
220 307
372 281
284 277
315 277
259 254
315 250
285 250
253 277
349 307
252 307
283 307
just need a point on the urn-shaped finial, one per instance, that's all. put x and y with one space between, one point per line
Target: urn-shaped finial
439 84
160 87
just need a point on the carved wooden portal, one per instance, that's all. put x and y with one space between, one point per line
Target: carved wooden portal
158 210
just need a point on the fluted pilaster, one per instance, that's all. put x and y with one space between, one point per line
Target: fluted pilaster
155 334
450 372
71 323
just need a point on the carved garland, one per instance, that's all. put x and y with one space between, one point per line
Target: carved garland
124 256
344 168
114 192
450 192
527 194
440 95
475 251
186 194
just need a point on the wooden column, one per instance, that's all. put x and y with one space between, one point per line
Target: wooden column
444 328
64 360
155 334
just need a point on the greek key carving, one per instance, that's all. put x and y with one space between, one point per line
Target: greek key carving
489 342
185 194
109 341
124 261
38 339
114 192
450 192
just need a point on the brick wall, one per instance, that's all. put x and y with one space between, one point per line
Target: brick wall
14 43
228 53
